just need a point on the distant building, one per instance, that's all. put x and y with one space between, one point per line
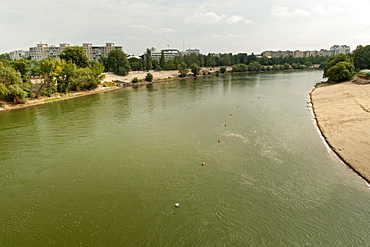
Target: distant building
340 49
190 51
94 53
334 50
168 54
42 51
19 54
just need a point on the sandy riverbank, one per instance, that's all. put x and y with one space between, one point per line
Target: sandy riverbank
342 112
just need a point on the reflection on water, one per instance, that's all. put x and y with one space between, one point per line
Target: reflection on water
107 169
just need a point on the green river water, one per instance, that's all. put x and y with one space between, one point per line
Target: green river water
107 169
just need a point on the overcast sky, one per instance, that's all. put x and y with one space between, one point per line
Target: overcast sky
209 25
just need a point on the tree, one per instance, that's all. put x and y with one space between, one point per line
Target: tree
162 61
148 60
183 69
341 71
333 60
135 64
117 62
223 70
50 69
255 66
195 69
76 55
361 57
11 85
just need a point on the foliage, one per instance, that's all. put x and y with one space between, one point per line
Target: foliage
135 64
223 70
148 60
149 77
347 72
183 69
117 63
12 86
195 69
76 55
135 80
341 71
255 66
240 67
4 57
361 57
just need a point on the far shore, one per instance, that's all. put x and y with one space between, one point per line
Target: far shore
342 112
158 77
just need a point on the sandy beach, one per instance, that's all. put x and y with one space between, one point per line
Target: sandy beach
342 113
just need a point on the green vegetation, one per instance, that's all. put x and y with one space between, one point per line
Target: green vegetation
195 69
149 77
75 55
116 62
361 57
340 68
12 85
183 69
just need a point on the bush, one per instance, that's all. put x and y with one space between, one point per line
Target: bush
149 77
135 80
223 70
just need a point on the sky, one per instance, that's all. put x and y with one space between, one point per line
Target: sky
219 26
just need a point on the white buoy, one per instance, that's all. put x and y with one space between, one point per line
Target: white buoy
177 204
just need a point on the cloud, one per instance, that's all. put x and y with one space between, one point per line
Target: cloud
204 18
234 19
284 12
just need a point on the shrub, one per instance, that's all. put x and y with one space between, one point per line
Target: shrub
149 77
135 80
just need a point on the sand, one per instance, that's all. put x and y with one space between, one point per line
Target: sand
342 112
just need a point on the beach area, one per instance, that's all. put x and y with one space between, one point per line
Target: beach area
342 112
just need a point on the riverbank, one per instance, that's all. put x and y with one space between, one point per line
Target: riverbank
158 76
342 112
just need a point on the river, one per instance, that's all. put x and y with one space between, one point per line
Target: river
107 169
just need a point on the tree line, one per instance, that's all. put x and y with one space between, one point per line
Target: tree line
228 59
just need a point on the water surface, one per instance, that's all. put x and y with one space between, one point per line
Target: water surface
107 169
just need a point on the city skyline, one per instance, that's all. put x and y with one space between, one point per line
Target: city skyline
211 26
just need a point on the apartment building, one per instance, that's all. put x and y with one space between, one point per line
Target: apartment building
168 54
94 53
42 51
334 50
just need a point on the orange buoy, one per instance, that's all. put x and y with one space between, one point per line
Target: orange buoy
231 114
259 97
219 140
225 125
251 101
238 106
203 163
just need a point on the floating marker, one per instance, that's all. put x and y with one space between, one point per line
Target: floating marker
238 107
177 204
225 125
231 114
203 163
219 140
